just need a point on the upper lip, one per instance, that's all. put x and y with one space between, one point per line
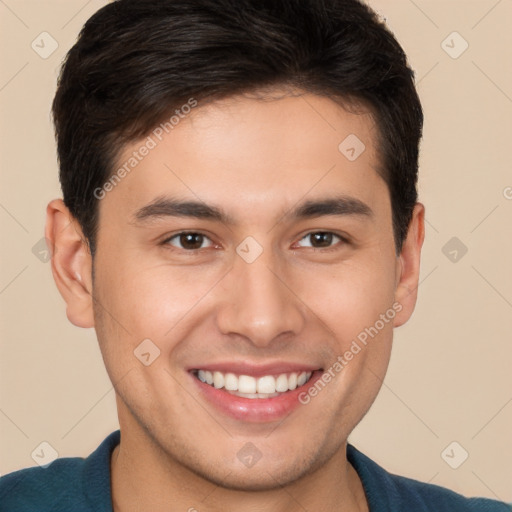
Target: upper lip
256 370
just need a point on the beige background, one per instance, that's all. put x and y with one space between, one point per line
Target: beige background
450 374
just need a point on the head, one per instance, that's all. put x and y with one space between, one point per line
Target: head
294 127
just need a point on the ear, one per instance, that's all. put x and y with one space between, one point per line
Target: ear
71 263
408 266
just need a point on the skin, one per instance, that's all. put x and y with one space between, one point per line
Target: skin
257 160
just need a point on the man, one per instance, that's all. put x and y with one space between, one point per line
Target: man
240 225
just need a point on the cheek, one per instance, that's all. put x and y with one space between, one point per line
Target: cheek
350 296
151 301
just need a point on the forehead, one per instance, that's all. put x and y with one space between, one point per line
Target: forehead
254 152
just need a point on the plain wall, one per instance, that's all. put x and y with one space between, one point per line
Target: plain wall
450 373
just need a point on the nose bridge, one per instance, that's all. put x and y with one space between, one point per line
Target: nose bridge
259 305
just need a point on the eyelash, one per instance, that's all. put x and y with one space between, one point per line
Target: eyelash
335 247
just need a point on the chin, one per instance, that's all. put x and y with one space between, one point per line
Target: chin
250 480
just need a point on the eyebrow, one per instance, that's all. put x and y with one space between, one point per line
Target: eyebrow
162 207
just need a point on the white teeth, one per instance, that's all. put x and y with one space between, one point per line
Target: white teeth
218 380
246 384
292 381
267 386
231 382
282 383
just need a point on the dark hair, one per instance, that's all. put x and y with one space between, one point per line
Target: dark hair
135 61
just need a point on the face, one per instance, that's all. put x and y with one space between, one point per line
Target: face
283 272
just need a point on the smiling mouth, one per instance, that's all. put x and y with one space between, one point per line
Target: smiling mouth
246 386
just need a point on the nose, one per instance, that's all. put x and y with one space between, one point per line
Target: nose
259 302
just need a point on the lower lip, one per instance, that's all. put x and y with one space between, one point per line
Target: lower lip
255 410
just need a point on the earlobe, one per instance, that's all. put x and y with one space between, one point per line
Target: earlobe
71 263
408 266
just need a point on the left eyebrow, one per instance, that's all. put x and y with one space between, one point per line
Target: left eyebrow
171 207
341 205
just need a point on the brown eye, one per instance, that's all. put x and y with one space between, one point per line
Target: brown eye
321 239
187 241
